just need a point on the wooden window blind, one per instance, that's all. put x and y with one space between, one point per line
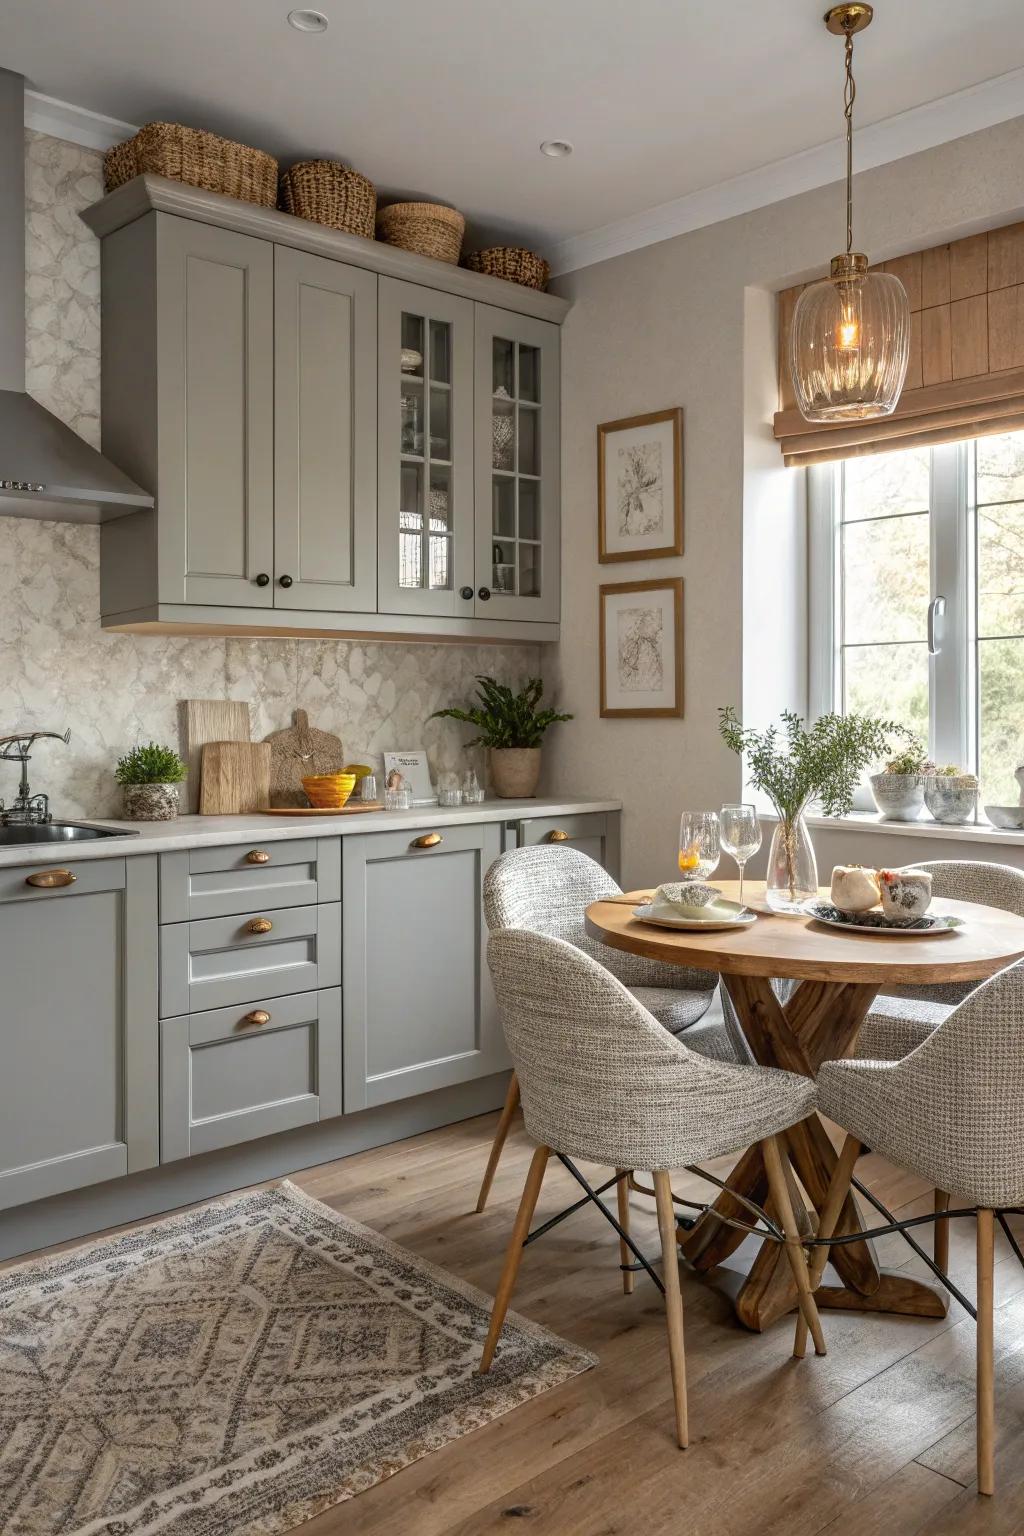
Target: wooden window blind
966 371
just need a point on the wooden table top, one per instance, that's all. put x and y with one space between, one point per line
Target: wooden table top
798 947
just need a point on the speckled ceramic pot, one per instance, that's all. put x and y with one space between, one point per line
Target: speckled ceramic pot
898 796
150 802
951 797
515 772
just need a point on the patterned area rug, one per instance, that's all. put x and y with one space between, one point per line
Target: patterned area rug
236 1370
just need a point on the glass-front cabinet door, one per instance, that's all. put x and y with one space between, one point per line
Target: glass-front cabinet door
517 467
425 451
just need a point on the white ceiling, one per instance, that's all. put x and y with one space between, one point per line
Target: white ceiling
450 99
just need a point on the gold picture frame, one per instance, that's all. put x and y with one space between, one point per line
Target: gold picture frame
640 487
641 649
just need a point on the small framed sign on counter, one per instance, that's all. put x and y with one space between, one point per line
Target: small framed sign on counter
412 765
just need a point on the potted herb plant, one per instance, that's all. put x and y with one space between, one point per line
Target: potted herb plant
950 794
149 777
512 727
794 766
898 791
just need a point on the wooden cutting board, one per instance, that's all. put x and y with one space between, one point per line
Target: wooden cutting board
297 752
236 778
203 720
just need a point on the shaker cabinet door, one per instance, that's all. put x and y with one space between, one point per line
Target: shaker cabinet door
325 435
215 414
419 1011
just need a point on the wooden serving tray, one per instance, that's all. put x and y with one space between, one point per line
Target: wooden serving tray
310 810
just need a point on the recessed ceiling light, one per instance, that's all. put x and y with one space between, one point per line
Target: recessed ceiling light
308 21
556 149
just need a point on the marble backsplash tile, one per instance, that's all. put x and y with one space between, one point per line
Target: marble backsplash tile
59 669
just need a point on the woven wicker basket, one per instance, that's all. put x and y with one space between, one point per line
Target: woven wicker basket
327 192
196 157
429 229
512 263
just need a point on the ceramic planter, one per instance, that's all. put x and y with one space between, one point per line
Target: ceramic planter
515 772
898 796
951 797
150 802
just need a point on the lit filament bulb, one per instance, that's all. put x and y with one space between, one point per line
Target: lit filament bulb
848 338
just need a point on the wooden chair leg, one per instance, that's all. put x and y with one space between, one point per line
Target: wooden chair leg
835 1199
514 1253
625 1256
673 1302
985 1355
940 1241
779 1191
510 1107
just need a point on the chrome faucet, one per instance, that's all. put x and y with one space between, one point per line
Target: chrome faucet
28 809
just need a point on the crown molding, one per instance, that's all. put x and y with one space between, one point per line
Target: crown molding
63 120
907 133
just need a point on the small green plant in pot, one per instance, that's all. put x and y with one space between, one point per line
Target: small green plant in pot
512 726
951 795
898 791
149 777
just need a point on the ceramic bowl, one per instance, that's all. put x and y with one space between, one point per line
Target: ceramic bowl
951 797
328 791
1009 817
898 796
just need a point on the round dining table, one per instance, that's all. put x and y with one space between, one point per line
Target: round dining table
838 972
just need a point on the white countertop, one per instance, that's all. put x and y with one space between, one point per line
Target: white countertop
211 831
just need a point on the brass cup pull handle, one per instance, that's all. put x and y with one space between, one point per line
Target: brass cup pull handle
258 925
51 879
428 840
257 856
558 836
258 1016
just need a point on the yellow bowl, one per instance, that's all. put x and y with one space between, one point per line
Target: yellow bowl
328 791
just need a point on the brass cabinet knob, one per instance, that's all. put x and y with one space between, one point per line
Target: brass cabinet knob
558 836
428 840
51 879
257 856
258 1016
258 925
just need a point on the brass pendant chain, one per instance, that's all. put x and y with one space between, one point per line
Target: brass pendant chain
849 97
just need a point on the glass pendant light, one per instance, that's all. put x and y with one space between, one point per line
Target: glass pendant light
850 337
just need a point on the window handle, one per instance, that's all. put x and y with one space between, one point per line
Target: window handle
936 610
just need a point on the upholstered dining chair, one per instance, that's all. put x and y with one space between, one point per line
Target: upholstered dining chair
602 1080
548 890
951 1111
899 1021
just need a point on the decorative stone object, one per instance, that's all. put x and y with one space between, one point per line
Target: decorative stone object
150 802
515 772
906 894
898 796
951 797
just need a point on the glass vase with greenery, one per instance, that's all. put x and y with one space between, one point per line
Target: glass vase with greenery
512 726
794 765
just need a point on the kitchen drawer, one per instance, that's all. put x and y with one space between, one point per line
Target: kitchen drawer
226 1077
223 961
219 882
592 832
90 876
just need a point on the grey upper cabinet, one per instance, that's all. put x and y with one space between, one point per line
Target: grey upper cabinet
517 466
325 428
78 1089
419 1011
425 450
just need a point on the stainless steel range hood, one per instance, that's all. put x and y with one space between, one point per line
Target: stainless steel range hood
46 470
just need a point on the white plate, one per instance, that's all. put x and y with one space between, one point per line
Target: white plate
921 928
742 919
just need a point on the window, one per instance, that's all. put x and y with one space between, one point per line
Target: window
917 598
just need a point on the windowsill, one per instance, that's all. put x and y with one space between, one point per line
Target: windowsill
870 821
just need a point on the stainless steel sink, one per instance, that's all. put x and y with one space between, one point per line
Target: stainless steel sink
56 832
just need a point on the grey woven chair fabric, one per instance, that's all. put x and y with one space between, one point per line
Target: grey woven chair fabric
953 1110
549 890
890 1032
601 1080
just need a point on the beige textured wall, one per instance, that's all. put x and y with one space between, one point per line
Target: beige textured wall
58 669
676 324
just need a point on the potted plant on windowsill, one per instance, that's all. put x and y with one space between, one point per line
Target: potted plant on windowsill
951 795
794 766
512 727
149 777
898 791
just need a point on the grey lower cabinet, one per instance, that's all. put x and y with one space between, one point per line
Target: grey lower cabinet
78 1086
595 833
419 1012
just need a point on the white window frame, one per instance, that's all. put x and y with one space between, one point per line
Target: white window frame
953 721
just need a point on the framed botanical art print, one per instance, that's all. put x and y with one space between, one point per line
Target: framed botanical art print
642 649
640 487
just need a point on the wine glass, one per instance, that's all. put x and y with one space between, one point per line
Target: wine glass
699 844
741 834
